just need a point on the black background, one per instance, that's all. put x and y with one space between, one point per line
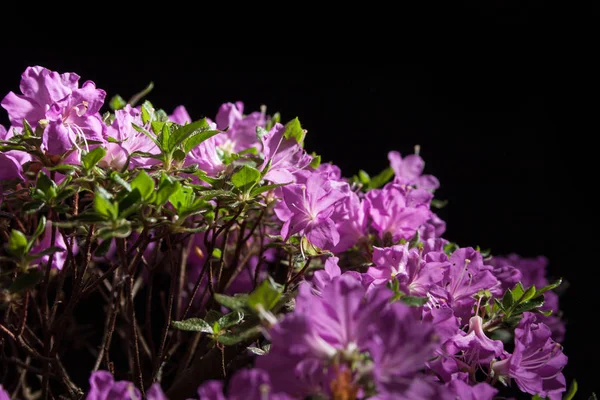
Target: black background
483 127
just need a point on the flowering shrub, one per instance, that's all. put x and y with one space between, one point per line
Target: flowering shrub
148 255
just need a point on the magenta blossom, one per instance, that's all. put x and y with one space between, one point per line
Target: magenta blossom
11 162
463 391
4 394
241 134
104 387
537 361
70 112
310 208
128 140
246 384
531 271
353 224
409 171
466 276
398 211
415 276
284 157
59 258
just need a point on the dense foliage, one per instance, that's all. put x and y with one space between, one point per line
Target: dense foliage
150 255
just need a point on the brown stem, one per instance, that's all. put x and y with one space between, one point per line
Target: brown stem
158 361
134 333
24 315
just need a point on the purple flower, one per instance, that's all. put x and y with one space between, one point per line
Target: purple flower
414 275
246 384
321 327
475 347
537 361
325 340
400 347
11 162
70 111
180 116
58 261
530 271
354 224
241 134
129 141
409 171
311 207
104 387
4 394
323 278
205 155
398 211
463 391
284 157
466 276
433 228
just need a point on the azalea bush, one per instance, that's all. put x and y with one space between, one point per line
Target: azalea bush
148 254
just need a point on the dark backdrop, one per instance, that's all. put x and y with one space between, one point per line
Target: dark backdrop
482 126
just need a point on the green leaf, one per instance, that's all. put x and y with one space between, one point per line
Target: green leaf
231 319
138 96
316 161
450 248
517 292
166 188
528 295
41 227
183 198
230 339
549 287
117 102
236 303
46 186
382 178
212 316
89 160
257 351
198 138
194 325
261 189
508 299
293 130
122 231
27 129
104 204
129 203
246 178
147 112
414 301
157 127
144 183
572 391
32 207
17 243
217 253
437 203
26 280
363 177
529 305
265 295
116 177
182 133
66 193
145 132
